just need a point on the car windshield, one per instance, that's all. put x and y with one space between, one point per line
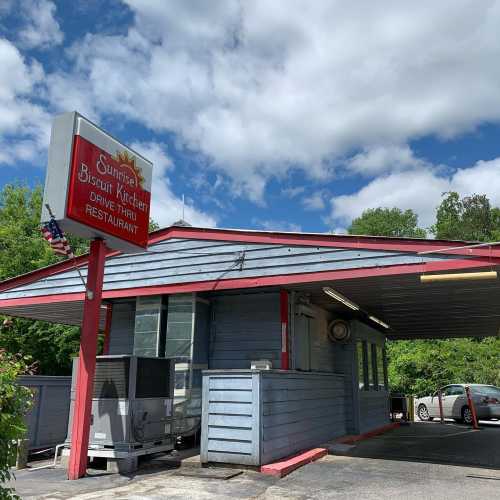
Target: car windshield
486 390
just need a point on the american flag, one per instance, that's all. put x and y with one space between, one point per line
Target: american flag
53 234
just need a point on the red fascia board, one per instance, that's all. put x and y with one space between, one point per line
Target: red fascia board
279 280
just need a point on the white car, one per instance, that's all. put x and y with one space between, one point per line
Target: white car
486 400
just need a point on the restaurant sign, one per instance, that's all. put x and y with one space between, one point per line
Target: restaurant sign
96 187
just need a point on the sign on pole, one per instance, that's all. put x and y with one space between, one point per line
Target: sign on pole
96 186
100 189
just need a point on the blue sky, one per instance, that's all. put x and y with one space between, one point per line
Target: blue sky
285 115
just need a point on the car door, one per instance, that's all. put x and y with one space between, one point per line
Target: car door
456 402
452 398
434 403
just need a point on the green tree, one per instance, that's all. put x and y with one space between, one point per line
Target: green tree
470 218
15 401
22 249
387 222
422 366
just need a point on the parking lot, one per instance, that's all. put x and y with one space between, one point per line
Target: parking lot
433 442
428 460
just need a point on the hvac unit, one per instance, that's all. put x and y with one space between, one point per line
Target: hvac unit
339 331
132 404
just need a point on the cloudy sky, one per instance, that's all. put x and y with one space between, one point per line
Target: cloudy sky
287 115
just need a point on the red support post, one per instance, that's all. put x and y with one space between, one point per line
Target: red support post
86 366
472 408
285 362
440 399
107 329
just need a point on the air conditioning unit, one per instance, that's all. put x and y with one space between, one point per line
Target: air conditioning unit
132 403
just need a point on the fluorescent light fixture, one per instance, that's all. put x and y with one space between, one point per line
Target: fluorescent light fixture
344 300
431 278
379 321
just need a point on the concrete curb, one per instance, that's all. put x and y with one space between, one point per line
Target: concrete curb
284 467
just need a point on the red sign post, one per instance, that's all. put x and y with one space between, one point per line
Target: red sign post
86 365
99 189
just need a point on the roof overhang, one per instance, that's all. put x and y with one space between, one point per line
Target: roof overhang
414 310
392 292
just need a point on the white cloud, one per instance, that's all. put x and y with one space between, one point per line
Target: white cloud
292 192
24 126
419 190
314 202
379 159
166 208
40 30
260 88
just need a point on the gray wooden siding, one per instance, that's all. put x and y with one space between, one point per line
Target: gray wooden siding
254 417
187 260
344 362
230 418
47 421
245 327
373 410
300 411
121 337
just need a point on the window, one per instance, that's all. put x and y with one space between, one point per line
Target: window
370 366
362 365
147 326
381 379
179 327
456 390
446 391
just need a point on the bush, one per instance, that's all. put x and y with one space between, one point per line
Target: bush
15 401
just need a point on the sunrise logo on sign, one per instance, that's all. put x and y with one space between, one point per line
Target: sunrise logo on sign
128 161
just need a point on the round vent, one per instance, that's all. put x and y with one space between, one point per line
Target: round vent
339 331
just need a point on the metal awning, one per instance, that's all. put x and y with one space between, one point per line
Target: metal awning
414 310
65 313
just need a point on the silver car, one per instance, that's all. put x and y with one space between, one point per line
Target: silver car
486 400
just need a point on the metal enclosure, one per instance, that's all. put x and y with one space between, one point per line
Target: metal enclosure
47 420
132 403
253 417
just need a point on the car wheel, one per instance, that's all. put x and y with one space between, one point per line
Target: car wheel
423 413
466 415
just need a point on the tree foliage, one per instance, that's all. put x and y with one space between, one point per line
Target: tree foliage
470 218
15 402
22 249
420 367
387 222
